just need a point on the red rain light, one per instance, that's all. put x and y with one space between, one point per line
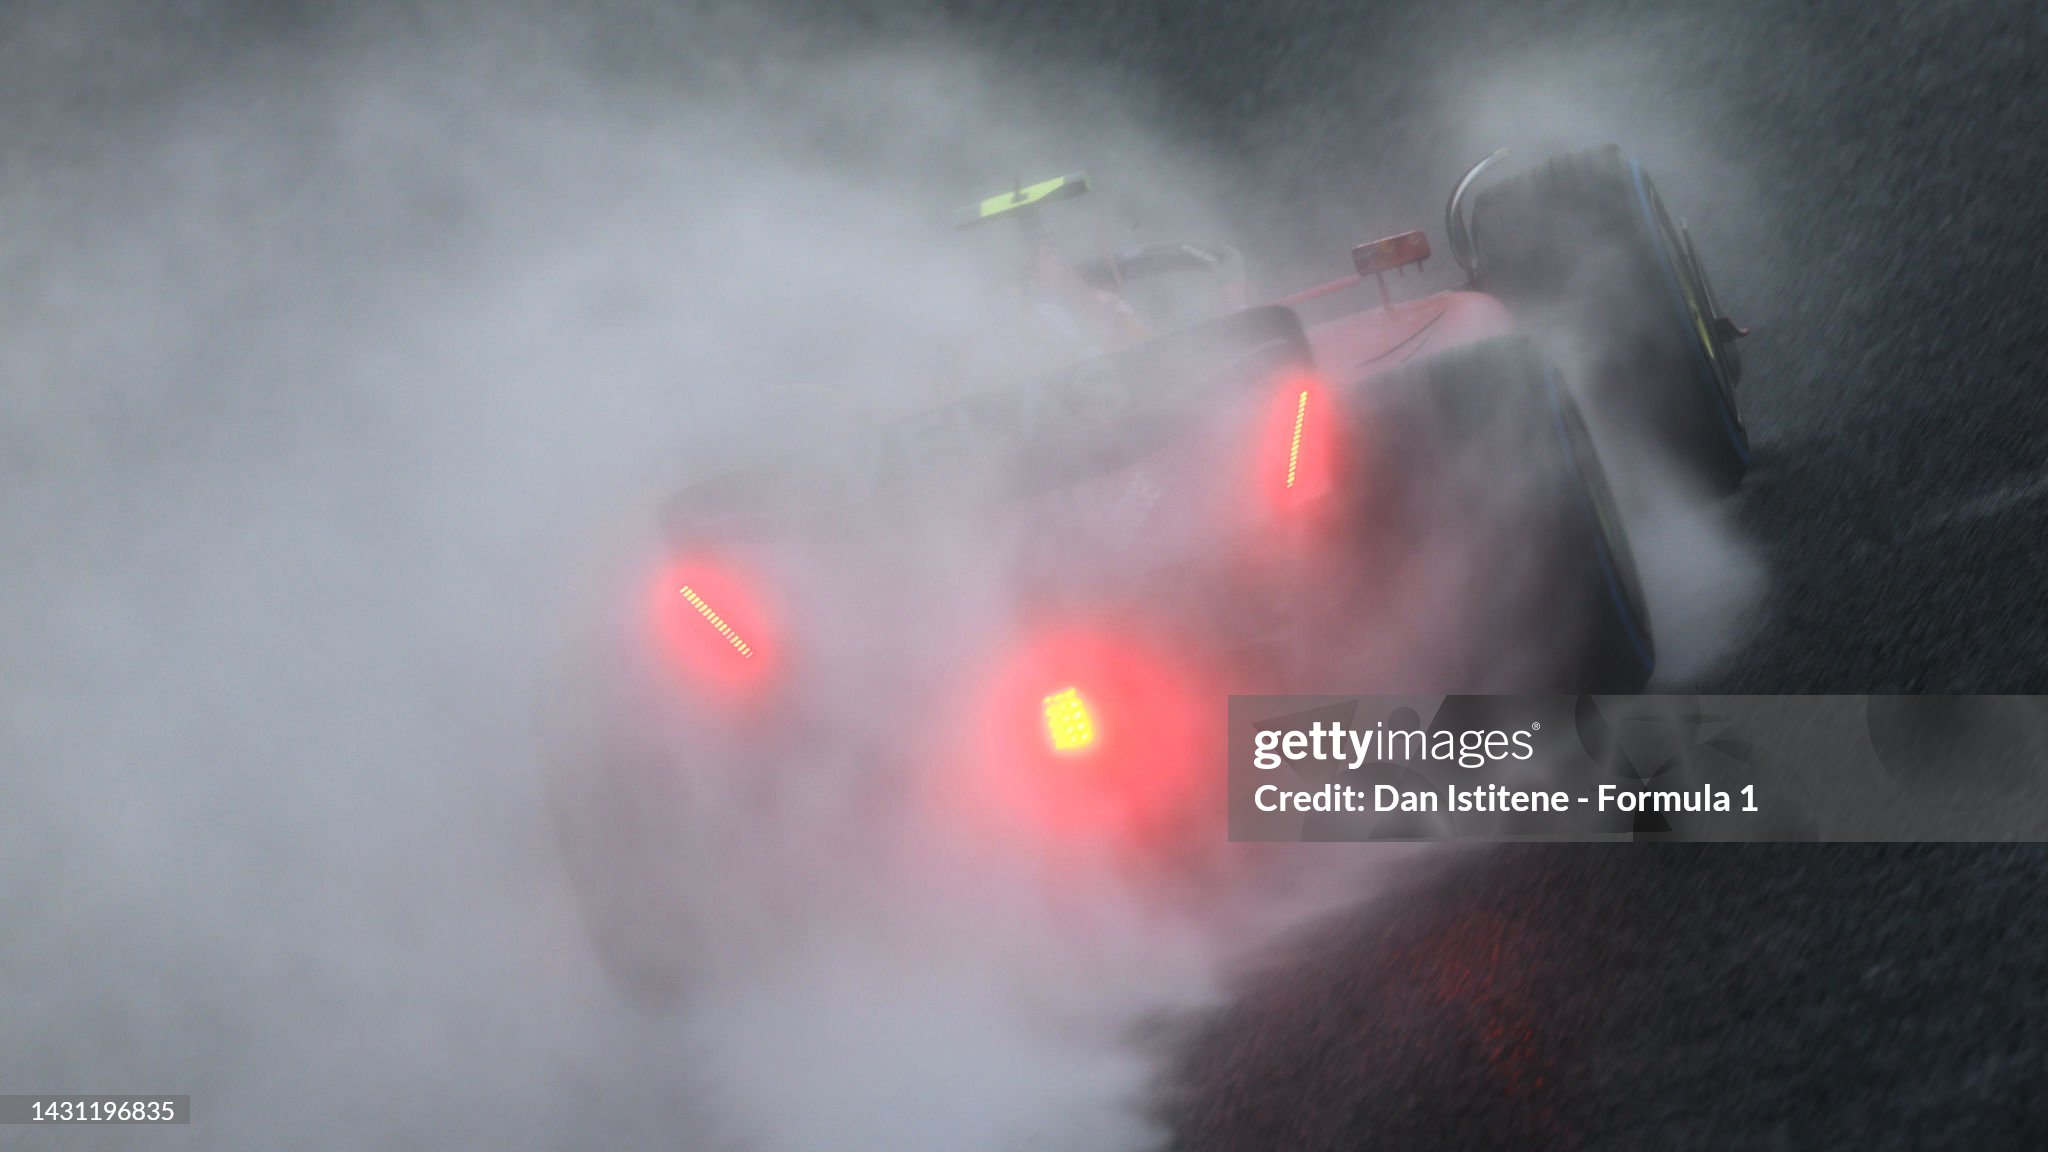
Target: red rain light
1069 722
1094 736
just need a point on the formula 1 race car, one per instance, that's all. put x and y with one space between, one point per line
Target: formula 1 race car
1051 587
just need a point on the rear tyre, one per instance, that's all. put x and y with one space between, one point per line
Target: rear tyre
1499 451
1620 653
1583 251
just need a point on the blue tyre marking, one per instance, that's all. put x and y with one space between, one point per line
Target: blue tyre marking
1607 571
1678 301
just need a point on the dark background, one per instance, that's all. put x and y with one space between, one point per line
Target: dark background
1887 250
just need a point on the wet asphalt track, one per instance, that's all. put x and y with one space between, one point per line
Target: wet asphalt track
1897 393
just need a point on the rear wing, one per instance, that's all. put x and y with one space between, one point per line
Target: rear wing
1113 272
1095 416
1101 413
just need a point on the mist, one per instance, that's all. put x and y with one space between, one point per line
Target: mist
341 381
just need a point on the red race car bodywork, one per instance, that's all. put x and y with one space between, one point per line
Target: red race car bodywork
1226 534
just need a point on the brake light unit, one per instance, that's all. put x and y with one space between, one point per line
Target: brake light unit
1294 447
713 626
716 621
1299 451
